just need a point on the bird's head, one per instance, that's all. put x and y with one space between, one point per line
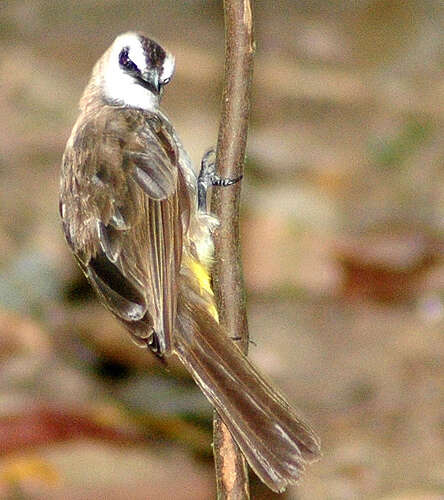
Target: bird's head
133 71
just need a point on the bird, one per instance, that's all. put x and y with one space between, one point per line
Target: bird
134 214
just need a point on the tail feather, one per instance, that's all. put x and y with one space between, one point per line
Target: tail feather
275 441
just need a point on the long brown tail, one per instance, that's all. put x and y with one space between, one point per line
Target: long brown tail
275 441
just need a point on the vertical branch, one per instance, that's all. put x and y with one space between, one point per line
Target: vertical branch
231 469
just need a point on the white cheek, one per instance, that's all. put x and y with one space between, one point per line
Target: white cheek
120 88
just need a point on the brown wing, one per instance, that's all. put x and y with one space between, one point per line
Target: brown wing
122 217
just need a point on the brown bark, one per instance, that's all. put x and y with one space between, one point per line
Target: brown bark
231 469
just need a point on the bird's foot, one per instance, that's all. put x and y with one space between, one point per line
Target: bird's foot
208 177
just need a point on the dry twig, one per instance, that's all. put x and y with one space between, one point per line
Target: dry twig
231 469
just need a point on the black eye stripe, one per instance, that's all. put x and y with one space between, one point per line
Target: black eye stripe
126 62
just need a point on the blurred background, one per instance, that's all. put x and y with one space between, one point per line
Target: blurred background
343 245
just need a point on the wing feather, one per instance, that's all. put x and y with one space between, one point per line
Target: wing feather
123 219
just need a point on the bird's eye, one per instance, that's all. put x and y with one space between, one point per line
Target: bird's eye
126 62
166 81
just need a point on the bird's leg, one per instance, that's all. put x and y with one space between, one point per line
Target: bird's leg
208 177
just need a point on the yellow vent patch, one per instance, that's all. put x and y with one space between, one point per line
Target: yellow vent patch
203 278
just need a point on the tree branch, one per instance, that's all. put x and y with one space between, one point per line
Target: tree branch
231 468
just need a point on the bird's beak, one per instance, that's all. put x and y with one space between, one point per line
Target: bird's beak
156 82
152 82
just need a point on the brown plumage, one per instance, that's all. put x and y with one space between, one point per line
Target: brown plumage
130 216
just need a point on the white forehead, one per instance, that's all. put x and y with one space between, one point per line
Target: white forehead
135 50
